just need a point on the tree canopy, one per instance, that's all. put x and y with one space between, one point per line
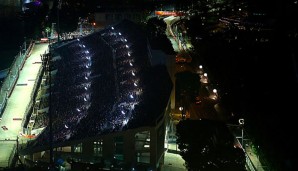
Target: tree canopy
207 145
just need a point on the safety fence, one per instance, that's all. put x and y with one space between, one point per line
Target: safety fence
13 74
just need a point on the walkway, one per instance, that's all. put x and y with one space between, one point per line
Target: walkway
172 160
254 159
14 113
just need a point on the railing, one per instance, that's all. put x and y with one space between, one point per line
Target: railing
33 97
28 109
37 82
12 154
249 163
13 74
9 162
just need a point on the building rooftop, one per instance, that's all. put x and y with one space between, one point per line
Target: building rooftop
104 83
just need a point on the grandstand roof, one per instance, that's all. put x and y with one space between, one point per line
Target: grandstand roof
105 83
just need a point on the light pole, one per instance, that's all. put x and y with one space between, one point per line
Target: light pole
21 50
241 123
182 112
58 20
215 95
25 48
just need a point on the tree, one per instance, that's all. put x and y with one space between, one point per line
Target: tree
47 30
207 145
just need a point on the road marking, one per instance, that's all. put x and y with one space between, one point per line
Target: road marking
24 84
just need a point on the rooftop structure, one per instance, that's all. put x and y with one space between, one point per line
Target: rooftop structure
103 85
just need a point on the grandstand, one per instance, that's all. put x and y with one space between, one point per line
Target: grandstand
108 102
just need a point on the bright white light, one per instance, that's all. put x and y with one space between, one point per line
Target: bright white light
87 66
85 99
214 91
205 74
130 64
133 73
180 108
86 78
125 40
85 88
241 121
122 112
78 39
66 126
126 46
83 45
131 96
200 66
125 122
135 84
78 110
146 146
132 106
119 33
87 51
128 53
112 28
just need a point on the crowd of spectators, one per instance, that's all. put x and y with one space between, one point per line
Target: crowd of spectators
98 83
84 28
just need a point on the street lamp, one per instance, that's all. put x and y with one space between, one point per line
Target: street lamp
58 20
182 112
214 95
241 123
181 108
214 91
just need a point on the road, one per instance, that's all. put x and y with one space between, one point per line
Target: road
210 107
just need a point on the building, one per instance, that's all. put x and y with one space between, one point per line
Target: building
108 103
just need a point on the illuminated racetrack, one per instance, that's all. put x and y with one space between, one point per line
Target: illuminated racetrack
17 103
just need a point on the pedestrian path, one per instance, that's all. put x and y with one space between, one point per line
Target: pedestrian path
15 112
254 159
173 162
172 159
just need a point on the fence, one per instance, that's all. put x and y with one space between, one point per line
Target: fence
13 74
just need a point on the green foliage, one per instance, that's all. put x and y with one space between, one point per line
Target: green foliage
187 85
208 145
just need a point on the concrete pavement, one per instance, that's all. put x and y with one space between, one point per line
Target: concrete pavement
254 159
172 160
